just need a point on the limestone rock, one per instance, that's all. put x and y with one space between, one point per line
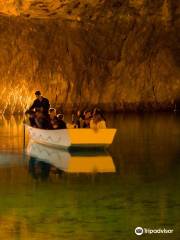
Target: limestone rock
118 54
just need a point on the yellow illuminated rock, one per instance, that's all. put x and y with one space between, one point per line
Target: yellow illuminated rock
121 55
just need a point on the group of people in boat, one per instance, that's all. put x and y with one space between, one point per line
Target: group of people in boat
41 115
89 119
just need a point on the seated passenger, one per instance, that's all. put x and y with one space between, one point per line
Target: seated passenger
97 122
95 110
61 122
87 118
41 121
98 110
77 119
53 119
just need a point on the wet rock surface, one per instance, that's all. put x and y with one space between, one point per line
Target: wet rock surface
120 55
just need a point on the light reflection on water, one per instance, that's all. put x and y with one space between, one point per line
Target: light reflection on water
106 197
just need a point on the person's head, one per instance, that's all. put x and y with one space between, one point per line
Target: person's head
78 113
97 117
60 116
87 114
38 94
52 112
96 110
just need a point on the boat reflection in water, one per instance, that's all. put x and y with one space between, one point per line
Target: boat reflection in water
44 159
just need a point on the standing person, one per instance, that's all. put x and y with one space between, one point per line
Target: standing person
40 103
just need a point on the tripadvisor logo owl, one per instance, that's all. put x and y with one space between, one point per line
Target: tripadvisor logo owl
139 231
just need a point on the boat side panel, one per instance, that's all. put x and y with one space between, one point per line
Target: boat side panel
88 137
50 137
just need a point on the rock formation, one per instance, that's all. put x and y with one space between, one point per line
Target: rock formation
118 54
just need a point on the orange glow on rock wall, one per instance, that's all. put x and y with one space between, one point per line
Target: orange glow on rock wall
122 55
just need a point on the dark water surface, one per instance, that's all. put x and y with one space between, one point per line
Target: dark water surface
99 195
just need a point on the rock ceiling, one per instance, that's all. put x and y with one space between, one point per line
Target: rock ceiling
90 10
78 9
70 9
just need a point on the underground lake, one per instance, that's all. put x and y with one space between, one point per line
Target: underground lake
50 194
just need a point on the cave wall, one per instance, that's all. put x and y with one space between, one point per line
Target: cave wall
120 55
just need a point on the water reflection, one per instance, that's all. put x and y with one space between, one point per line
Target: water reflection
44 159
39 169
11 134
8 159
74 203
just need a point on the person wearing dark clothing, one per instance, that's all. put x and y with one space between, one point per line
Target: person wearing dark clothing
32 121
77 119
41 120
54 124
40 103
61 122
56 121
53 118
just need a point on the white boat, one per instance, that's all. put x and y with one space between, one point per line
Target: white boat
72 162
78 137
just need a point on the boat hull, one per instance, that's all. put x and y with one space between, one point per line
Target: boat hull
70 138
